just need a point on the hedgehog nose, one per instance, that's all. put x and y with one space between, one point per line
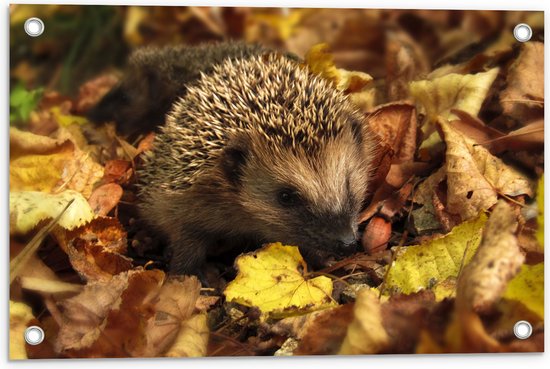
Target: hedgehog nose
348 242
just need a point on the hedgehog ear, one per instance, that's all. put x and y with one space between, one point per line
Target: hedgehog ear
232 161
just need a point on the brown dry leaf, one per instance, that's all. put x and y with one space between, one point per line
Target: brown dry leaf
403 317
105 198
20 318
497 259
39 163
392 194
523 97
169 332
425 219
530 138
366 334
132 315
107 318
96 249
381 160
475 177
472 127
396 125
147 143
117 171
322 332
92 91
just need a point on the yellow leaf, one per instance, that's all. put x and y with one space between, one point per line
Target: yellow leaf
44 164
445 289
453 91
29 208
366 334
540 216
285 25
38 171
65 120
20 317
273 280
320 61
192 338
527 287
423 266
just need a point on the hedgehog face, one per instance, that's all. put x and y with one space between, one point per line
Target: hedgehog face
303 198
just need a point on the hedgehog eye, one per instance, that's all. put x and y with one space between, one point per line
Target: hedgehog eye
288 197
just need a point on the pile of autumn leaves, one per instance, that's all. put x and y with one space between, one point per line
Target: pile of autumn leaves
458 291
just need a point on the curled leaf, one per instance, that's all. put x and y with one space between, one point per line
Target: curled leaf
497 260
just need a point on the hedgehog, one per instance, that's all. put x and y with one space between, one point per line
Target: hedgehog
155 77
259 150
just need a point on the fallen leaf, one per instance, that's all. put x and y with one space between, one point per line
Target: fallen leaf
527 287
324 334
274 279
440 258
395 123
445 289
403 317
473 128
39 163
497 259
92 91
453 91
479 288
65 120
405 61
192 338
97 249
524 95
105 198
50 287
28 209
529 137
475 177
147 143
357 85
117 171
366 333
132 315
20 318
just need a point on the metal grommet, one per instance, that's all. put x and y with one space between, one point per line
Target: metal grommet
522 32
523 329
34 27
34 335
